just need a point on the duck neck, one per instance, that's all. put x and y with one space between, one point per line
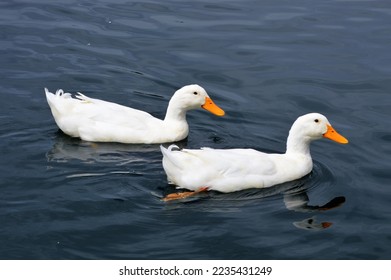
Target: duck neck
174 112
298 145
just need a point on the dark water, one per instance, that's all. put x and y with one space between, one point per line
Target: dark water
264 62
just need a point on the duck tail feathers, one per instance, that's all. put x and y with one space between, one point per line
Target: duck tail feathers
167 151
59 94
170 155
58 101
82 97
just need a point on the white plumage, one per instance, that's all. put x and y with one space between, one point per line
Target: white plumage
102 121
229 170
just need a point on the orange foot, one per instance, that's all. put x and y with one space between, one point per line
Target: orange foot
182 195
326 224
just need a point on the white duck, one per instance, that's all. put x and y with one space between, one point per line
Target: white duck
101 121
229 170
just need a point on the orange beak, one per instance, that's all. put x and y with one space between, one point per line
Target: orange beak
335 136
210 106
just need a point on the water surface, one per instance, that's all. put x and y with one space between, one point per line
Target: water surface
264 62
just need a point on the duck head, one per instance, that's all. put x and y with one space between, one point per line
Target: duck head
316 126
193 97
311 127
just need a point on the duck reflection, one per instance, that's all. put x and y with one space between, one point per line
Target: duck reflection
294 195
311 224
299 202
66 148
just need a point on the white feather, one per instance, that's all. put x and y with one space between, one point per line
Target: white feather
228 170
102 121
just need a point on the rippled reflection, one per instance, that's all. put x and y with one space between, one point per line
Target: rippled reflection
294 195
66 148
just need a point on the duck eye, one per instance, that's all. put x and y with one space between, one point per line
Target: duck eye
195 93
316 120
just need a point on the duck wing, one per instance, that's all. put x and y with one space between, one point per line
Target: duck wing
104 121
111 113
222 170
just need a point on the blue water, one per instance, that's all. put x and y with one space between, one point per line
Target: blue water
264 62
